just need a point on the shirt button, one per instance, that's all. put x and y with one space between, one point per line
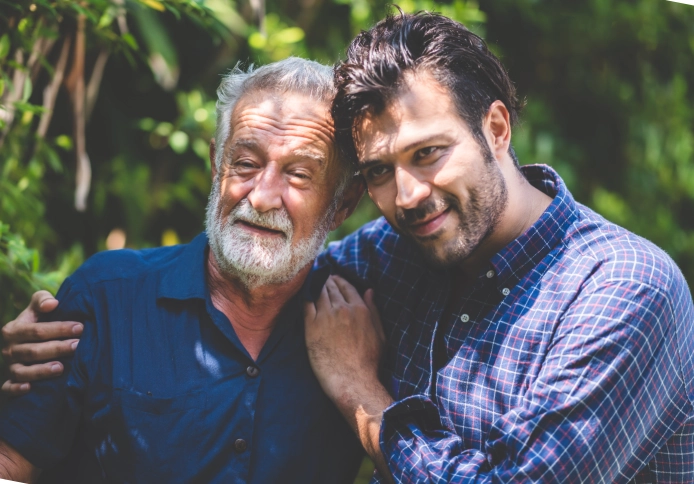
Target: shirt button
240 445
464 318
252 371
490 274
506 291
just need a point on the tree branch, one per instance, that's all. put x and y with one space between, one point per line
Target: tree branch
75 86
50 92
95 82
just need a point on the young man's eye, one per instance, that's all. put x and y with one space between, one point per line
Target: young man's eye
376 172
424 152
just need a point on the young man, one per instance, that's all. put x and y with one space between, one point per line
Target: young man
527 338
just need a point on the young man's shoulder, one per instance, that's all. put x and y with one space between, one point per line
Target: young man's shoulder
618 254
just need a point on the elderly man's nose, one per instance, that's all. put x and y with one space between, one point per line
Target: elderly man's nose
266 193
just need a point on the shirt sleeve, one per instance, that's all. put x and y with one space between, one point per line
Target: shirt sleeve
42 424
609 394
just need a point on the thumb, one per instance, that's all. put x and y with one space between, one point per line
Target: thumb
43 302
309 311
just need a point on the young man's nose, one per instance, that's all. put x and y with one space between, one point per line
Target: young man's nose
411 191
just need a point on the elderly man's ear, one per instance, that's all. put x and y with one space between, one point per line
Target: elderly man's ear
213 152
350 199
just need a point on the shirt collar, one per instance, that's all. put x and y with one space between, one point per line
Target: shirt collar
183 277
514 261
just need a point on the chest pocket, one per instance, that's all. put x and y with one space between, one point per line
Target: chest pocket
151 439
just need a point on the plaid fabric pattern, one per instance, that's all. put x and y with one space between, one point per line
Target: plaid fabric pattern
569 359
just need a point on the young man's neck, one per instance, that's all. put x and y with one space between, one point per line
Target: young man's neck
253 312
525 205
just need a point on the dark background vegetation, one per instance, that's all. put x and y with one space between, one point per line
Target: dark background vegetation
607 82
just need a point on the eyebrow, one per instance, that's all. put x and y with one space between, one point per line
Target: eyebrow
255 146
243 143
305 153
369 163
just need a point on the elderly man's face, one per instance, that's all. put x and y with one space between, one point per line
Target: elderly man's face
273 200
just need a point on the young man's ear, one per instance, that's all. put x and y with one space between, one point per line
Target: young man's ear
497 124
213 153
350 199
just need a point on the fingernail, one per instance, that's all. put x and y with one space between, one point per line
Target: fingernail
55 368
24 387
77 329
74 345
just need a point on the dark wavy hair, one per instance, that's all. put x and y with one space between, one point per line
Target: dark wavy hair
458 59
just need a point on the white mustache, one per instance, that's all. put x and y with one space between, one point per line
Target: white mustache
277 219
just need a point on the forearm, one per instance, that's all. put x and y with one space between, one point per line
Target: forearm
363 410
14 467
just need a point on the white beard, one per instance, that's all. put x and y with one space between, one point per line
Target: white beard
257 260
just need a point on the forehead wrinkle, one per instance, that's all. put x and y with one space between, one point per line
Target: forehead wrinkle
296 149
292 126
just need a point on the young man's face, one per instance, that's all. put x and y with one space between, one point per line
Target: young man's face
427 173
273 199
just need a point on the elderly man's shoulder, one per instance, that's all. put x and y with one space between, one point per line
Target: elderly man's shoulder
617 254
130 264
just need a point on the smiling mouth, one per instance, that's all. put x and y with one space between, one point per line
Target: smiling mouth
429 226
259 228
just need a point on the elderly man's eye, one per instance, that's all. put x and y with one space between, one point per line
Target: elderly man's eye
241 164
300 175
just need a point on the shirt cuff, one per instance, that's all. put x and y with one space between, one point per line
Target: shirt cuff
415 409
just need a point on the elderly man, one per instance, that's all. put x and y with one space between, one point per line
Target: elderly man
527 338
192 365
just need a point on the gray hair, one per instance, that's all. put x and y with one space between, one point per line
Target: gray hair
291 75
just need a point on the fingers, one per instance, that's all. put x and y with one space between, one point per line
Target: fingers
375 315
19 331
334 295
42 301
349 292
36 352
22 373
309 311
323 301
13 389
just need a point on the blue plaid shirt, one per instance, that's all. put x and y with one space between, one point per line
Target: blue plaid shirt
569 358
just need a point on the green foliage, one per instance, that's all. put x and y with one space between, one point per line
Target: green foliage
34 160
609 106
607 84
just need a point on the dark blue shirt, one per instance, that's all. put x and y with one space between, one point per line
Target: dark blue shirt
160 388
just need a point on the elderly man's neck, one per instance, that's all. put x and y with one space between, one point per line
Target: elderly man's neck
253 312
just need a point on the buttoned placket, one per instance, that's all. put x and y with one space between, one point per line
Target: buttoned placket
473 306
252 373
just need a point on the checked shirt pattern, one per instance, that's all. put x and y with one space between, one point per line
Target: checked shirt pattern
568 359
